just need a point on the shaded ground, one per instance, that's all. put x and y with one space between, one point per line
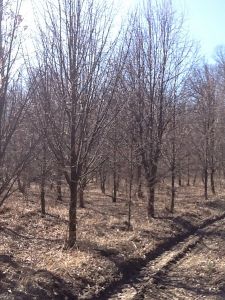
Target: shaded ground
34 264
198 275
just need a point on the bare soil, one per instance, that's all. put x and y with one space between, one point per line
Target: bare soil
35 265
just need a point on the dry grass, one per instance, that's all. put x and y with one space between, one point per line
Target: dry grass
103 241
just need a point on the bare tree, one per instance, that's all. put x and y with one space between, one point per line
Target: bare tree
78 83
157 66
203 84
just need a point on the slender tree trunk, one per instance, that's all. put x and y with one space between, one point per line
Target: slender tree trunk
43 180
42 199
151 201
21 186
59 184
140 193
102 178
179 179
73 210
130 201
194 179
212 181
206 183
81 193
103 186
172 191
188 172
130 184
114 196
179 175
173 163
74 179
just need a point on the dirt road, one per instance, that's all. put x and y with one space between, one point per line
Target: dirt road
192 269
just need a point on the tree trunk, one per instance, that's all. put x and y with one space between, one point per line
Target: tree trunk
140 193
130 183
74 179
43 180
179 177
73 211
42 199
151 201
172 191
114 187
102 179
81 195
103 186
194 179
22 188
188 172
206 183
59 185
212 181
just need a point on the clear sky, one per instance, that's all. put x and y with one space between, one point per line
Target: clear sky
205 20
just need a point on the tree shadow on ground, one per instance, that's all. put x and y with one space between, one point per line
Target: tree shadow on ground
24 283
216 203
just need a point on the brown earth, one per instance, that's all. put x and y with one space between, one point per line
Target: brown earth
35 265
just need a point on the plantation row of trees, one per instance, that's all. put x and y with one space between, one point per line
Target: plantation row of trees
133 105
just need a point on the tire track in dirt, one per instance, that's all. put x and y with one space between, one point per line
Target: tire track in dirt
137 274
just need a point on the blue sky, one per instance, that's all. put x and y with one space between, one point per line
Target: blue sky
205 20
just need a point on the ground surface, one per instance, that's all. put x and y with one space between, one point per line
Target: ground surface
192 269
34 264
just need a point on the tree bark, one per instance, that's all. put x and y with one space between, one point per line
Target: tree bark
212 181
43 180
151 201
194 179
59 185
114 196
73 211
172 191
206 183
102 176
140 193
81 194
188 172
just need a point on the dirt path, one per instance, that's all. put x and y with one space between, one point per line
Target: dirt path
194 268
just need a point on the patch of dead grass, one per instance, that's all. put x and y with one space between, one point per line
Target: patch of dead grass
103 241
